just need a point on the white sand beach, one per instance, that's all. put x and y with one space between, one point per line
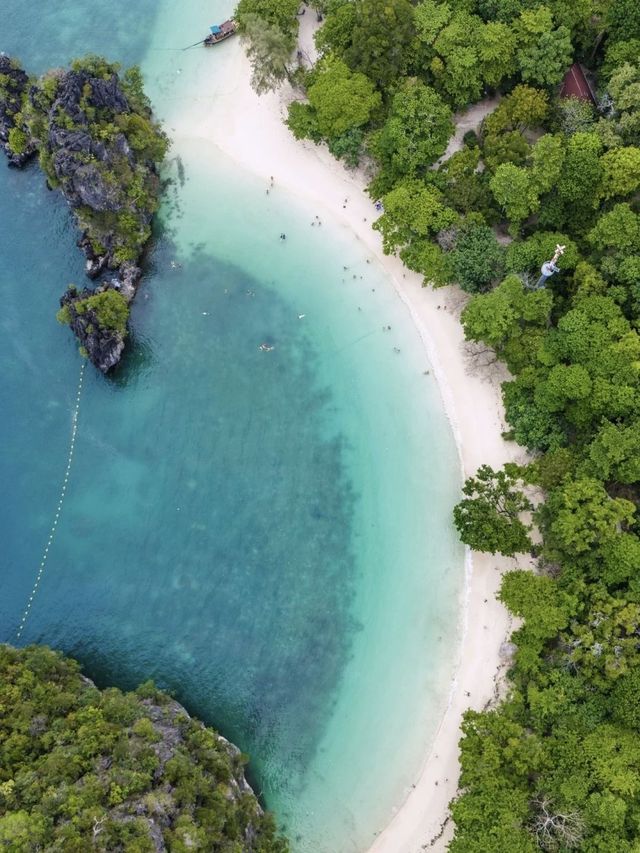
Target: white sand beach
250 130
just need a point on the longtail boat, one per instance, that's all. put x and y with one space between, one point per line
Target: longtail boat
220 32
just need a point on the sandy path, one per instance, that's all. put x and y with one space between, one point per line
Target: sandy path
250 130
468 120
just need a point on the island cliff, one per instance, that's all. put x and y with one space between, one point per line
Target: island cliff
89 769
97 142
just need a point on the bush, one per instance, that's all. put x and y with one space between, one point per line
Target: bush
110 307
470 139
18 140
64 315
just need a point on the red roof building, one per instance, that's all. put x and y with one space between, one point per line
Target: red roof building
576 85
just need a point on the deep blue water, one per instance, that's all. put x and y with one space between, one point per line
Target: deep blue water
181 515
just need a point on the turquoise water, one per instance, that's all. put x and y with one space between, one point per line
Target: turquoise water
266 534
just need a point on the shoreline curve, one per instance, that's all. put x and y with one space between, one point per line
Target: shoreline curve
250 130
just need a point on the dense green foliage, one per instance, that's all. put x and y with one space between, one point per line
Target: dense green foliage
556 766
340 103
108 309
88 769
456 50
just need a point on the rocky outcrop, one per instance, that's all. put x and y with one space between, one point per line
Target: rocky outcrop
103 346
13 86
98 145
171 722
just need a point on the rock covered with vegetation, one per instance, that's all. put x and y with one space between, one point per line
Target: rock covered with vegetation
89 769
13 88
98 318
97 142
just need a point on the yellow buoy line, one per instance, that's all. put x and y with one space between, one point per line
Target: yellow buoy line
61 498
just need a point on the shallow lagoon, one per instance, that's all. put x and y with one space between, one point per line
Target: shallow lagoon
265 533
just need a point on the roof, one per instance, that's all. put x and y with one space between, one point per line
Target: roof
576 85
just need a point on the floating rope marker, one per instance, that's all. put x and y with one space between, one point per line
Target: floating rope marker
61 498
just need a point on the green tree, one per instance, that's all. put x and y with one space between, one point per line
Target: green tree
527 256
415 134
477 259
383 31
624 89
614 453
430 19
88 769
465 185
532 425
17 141
515 192
342 100
303 122
620 172
268 49
581 515
144 136
413 210
575 115
624 700
110 307
537 599
547 160
496 52
617 230
595 336
544 53
580 179
334 36
524 108
22 832
429 260
500 10
510 147
278 14
488 518
616 562
562 385
619 53
623 20
497 757
456 68
509 319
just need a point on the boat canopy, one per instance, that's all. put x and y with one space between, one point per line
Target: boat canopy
215 29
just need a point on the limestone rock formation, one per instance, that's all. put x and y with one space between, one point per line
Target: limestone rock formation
99 145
